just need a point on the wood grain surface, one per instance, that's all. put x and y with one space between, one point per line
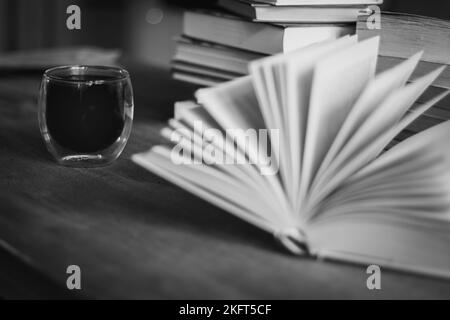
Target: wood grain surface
135 235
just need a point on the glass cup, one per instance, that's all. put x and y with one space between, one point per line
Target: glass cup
85 114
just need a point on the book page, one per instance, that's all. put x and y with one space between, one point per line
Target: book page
283 84
387 242
213 152
234 107
373 95
299 73
414 175
227 176
375 133
396 211
338 82
222 190
155 163
268 81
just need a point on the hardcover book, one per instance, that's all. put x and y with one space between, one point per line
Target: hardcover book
262 12
319 2
233 31
403 34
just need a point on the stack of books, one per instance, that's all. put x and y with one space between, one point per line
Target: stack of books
217 46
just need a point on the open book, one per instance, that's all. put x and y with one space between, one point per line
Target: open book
298 148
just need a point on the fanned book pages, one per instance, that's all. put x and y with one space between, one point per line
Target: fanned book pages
298 148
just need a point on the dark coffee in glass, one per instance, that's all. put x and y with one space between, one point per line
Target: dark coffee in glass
86 113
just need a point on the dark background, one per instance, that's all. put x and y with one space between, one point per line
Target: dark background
122 24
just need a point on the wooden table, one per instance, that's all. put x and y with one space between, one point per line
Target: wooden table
135 235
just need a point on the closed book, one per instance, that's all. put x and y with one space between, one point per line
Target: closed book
240 33
293 14
404 34
319 2
192 68
214 56
201 80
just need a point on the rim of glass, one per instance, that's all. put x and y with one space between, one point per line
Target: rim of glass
120 73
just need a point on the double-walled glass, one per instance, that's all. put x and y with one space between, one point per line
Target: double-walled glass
85 113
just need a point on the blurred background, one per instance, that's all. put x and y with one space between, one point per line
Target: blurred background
142 29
